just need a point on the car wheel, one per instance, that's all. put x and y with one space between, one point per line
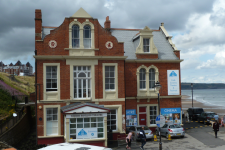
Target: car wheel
182 136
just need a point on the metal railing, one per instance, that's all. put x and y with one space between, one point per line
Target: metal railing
11 121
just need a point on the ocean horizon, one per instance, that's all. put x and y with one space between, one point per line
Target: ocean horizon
209 97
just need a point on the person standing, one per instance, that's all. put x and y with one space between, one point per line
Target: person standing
128 140
142 136
216 128
216 117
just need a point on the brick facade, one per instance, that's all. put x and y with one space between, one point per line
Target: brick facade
126 93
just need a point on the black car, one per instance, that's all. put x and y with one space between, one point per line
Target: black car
206 117
194 112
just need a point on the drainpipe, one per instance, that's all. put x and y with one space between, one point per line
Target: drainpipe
35 52
125 98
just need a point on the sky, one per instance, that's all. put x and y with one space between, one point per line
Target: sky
197 27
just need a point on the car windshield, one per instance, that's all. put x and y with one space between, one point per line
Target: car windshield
172 126
177 126
198 111
145 128
211 114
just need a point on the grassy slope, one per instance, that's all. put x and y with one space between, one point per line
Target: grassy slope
24 84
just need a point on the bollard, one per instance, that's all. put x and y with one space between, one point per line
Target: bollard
169 137
155 138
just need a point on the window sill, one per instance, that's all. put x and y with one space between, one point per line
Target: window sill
50 136
110 91
144 53
81 140
84 99
96 49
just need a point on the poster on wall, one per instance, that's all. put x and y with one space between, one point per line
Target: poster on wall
86 133
173 82
172 115
131 117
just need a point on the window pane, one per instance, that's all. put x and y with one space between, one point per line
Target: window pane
72 131
79 125
113 122
113 127
72 125
100 124
100 135
87 125
100 119
107 80
93 125
82 74
112 68
112 86
79 120
93 119
113 111
106 68
107 86
86 119
100 129
113 116
106 74
73 120
111 74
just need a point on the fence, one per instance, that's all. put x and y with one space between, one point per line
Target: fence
11 121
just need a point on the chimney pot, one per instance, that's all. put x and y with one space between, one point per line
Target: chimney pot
162 24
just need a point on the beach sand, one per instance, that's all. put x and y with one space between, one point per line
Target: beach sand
186 103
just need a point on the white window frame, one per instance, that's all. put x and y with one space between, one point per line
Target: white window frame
147 45
87 80
51 89
53 121
113 119
90 122
74 38
109 77
143 80
45 119
153 115
87 38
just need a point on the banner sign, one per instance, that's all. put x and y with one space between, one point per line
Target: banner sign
173 82
86 133
86 115
172 115
131 117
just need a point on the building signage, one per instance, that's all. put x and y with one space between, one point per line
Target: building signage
86 115
109 45
86 133
172 115
173 82
52 44
131 117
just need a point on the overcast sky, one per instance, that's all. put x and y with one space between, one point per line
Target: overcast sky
197 27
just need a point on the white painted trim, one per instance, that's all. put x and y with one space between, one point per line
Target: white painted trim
116 80
44 81
45 117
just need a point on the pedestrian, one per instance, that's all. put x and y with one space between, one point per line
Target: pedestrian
216 128
216 117
128 140
142 136
223 120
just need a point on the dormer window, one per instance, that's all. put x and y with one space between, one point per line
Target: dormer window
87 36
146 45
75 36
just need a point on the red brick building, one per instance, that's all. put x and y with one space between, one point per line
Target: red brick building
88 76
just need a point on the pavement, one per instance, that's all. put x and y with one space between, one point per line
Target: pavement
196 138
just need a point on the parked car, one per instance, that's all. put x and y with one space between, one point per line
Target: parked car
194 112
175 130
206 117
136 130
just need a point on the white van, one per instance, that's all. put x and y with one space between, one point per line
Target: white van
73 146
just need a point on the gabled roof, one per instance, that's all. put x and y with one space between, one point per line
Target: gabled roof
77 106
81 13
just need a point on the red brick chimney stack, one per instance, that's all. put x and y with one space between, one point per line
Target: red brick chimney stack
107 23
38 24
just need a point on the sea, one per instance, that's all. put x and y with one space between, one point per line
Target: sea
210 97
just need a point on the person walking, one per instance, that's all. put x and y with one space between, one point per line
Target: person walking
128 140
216 128
142 136
223 120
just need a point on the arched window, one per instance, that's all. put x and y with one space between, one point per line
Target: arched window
151 78
82 81
87 36
75 36
142 79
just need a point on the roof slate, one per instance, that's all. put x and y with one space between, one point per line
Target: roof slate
165 50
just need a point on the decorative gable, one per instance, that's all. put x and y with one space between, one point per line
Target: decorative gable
146 44
81 13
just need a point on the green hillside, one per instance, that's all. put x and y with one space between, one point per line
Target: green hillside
187 86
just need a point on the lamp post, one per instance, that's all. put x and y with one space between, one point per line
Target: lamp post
192 93
158 86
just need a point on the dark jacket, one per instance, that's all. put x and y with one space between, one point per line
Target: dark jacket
142 134
216 126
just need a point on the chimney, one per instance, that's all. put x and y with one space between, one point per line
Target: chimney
107 23
38 24
162 24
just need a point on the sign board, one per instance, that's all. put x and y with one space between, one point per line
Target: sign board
160 120
172 115
173 82
86 115
86 133
131 117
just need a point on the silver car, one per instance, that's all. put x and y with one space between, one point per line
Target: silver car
175 130
136 130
